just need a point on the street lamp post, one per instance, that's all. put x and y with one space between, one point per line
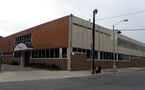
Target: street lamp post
114 64
93 41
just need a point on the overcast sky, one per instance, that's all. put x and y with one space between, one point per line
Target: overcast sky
18 15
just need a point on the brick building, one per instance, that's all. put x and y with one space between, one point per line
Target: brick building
66 42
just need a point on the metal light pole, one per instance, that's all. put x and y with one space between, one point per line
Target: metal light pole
114 64
93 41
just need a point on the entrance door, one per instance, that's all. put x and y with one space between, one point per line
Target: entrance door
27 58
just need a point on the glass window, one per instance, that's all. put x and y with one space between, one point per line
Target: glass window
64 52
51 53
36 53
101 55
17 54
96 55
79 50
56 53
47 53
33 54
89 54
43 53
84 50
23 39
74 49
39 53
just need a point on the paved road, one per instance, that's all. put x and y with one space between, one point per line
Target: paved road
134 80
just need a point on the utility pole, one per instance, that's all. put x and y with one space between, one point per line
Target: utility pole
93 41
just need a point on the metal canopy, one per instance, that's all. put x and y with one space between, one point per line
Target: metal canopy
23 47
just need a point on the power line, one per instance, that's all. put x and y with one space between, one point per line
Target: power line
131 29
121 15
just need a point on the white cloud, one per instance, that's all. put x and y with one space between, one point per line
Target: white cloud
17 15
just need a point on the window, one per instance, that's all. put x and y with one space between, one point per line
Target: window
39 53
79 50
17 54
103 55
56 55
89 54
107 55
43 53
51 53
33 55
84 50
96 55
130 45
36 53
8 53
64 52
47 53
23 39
123 57
74 49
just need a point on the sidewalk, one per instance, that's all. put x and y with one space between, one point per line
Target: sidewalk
9 76
119 70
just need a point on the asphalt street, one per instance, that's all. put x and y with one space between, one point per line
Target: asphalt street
134 80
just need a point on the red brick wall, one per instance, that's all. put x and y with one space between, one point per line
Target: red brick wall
52 34
48 35
7 43
137 63
9 59
104 64
123 64
79 62
61 63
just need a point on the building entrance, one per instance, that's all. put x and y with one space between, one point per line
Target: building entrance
25 49
26 58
